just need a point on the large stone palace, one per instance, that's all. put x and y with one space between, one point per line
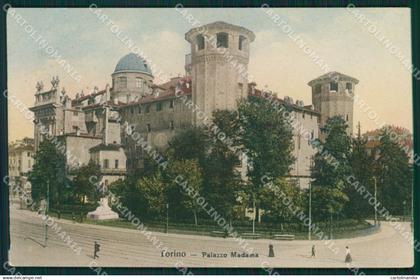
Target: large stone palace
92 126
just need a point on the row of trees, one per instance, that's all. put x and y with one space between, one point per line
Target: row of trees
265 136
52 181
340 156
210 164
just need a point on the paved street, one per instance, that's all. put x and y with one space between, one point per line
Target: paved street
129 248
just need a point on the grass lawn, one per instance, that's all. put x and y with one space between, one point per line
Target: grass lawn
346 229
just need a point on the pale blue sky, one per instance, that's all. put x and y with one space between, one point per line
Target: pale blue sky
276 61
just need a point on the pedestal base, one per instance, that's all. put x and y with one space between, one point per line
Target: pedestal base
103 212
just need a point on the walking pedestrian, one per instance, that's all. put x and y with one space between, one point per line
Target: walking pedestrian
348 255
96 249
270 251
313 251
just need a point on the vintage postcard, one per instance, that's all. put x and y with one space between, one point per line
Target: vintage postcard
202 137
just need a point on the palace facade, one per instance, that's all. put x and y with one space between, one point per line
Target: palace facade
94 126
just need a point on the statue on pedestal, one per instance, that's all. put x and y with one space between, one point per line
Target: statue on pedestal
103 212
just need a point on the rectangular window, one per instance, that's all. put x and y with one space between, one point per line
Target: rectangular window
29 154
200 42
147 108
171 125
222 40
139 82
75 127
116 164
149 129
333 86
29 164
318 89
349 86
158 107
75 113
171 104
106 163
241 42
122 81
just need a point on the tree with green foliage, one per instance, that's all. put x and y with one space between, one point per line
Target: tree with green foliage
190 143
86 183
48 174
331 168
186 179
328 203
276 198
331 162
362 169
154 191
129 195
222 178
266 137
394 176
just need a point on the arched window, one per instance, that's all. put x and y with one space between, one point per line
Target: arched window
242 42
222 40
200 42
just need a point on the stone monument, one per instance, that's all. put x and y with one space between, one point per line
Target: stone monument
103 212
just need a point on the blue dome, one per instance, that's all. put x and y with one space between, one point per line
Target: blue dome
133 63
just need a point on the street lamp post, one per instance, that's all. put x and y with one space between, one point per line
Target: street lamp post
310 212
167 217
331 220
47 206
255 214
311 167
376 208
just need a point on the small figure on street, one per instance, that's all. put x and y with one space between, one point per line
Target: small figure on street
313 251
348 255
270 251
73 217
96 249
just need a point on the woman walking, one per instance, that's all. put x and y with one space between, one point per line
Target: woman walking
348 255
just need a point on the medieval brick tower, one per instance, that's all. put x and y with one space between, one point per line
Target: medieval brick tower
219 66
333 95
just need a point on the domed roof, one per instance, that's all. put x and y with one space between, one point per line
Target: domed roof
132 63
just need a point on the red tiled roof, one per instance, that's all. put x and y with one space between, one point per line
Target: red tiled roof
167 94
404 138
308 108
